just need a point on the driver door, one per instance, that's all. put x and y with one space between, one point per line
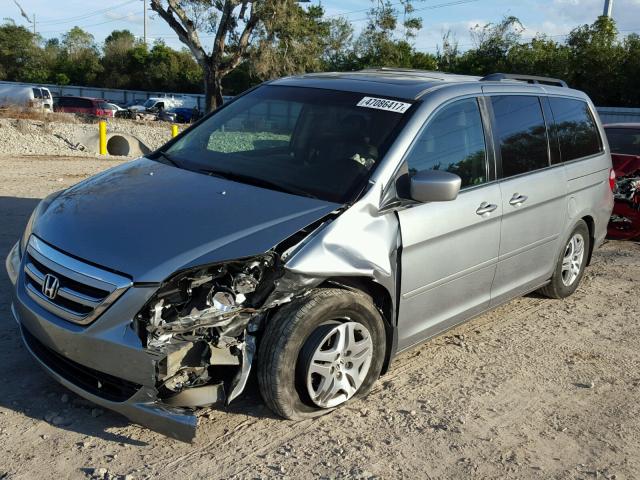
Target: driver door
449 249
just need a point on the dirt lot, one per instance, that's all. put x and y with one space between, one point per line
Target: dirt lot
536 389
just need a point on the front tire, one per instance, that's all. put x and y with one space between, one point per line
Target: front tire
320 351
571 264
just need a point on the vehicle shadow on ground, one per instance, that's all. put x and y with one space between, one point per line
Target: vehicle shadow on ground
29 391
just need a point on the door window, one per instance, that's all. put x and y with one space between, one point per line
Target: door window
577 130
453 141
521 133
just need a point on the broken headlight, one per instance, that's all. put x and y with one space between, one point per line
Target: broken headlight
216 301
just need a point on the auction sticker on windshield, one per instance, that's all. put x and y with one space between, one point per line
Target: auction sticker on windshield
384 104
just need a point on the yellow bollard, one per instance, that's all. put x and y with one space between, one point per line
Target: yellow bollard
103 137
174 130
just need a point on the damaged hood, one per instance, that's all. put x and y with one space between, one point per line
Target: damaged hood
148 220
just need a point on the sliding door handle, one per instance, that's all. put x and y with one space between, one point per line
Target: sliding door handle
517 199
486 208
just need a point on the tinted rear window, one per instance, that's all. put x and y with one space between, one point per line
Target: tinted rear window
521 133
625 141
37 93
577 130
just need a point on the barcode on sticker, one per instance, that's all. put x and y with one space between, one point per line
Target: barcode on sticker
384 104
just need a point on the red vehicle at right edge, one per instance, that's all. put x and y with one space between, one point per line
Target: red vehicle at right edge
624 141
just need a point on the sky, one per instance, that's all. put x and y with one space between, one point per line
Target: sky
555 18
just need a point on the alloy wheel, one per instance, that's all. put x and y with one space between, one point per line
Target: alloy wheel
339 364
572 259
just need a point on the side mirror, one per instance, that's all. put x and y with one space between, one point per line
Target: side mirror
434 186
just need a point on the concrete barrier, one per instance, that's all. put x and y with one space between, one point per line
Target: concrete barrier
117 143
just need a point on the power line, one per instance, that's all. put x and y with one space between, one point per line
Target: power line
86 15
430 7
91 25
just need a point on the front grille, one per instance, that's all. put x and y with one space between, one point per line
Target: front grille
68 288
97 383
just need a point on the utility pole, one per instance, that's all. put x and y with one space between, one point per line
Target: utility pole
608 8
34 24
144 3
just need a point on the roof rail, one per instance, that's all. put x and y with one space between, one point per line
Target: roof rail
497 77
407 71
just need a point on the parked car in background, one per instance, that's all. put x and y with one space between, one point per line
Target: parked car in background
157 104
624 141
179 115
83 105
114 108
25 96
310 230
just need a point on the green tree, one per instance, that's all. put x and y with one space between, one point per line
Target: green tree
492 45
117 71
379 46
21 58
541 56
297 41
595 57
629 72
79 58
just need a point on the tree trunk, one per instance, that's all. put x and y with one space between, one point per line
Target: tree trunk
212 89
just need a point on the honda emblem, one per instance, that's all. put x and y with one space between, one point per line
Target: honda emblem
50 286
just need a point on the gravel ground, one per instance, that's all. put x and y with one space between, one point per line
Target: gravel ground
535 389
34 137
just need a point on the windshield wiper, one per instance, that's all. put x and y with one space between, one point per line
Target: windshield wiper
258 182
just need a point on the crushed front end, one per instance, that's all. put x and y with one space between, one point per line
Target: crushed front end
200 326
191 344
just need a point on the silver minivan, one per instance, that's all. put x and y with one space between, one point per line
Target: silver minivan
308 231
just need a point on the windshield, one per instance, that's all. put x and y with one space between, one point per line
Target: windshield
625 141
149 103
307 141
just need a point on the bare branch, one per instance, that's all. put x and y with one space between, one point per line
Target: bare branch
226 23
243 43
183 26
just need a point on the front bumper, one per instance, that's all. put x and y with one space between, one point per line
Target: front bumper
104 362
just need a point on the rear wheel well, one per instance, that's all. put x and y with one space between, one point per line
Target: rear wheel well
381 299
592 228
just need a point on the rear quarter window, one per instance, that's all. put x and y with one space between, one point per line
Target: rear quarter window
576 128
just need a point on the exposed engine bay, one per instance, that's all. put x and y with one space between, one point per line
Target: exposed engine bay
200 326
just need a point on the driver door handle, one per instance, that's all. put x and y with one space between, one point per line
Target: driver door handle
517 199
486 208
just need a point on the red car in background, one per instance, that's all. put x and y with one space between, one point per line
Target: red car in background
624 141
85 105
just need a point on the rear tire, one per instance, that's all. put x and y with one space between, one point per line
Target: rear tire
570 265
302 332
